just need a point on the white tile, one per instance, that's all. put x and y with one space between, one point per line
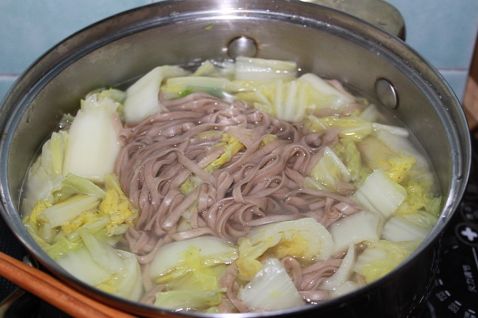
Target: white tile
443 31
31 27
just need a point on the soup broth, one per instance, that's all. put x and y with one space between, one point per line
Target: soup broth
238 186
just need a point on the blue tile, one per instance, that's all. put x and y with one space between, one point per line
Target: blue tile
443 31
5 84
457 80
30 27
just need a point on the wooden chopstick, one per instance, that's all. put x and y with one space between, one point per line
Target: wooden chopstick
54 291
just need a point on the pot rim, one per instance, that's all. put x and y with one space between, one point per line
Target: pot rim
30 83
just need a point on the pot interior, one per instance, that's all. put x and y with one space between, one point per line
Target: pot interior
320 40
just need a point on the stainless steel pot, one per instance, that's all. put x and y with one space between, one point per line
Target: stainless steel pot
321 40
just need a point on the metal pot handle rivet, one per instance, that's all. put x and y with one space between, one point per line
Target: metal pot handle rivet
242 46
386 93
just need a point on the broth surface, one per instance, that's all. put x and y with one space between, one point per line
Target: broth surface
237 186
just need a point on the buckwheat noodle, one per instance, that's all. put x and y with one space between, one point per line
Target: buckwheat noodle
262 183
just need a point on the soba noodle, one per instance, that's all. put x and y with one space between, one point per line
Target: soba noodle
260 185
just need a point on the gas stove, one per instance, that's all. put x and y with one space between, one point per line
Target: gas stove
454 293
455 290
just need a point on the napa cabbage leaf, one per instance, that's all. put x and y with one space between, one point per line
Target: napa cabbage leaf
329 171
343 273
412 226
248 68
142 97
269 85
78 204
116 207
348 126
293 100
109 269
211 68
197 290
359 227
304 238
188 299
347 150
270 289
176 259
189 270
420 196
404 166
380 193
47 171
381 257
94 138
71 185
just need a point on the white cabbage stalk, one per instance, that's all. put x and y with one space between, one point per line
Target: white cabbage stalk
65 211
94 142
102 254
80 264
183 300
104 267
142 98
330 170
211 249
345 288
402 145
319 243
290 101
398 229
343 273
421 219
205 69
211 85
72 185
370 113
130 283
270 289
225 69
381 194
381 257
248 68
114 94
394 130
356 228
47 172
338 100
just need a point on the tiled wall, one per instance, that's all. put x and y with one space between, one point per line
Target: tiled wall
30 27
443 31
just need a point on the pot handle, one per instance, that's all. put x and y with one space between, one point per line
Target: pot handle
376 12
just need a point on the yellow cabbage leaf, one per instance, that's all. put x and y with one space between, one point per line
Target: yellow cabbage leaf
350 126
420 196
346 149
117 207
193 284
232 146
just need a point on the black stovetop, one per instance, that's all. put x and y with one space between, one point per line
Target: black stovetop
455 291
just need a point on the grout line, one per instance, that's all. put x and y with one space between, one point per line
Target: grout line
8 76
